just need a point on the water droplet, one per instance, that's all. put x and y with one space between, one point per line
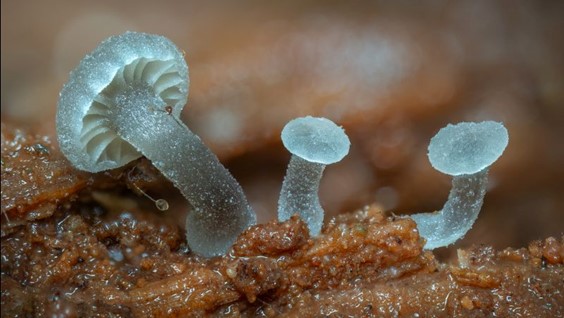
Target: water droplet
161 204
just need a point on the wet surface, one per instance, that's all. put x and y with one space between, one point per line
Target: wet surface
96 250
77 244
84 261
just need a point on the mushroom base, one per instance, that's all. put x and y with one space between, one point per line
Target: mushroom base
459 213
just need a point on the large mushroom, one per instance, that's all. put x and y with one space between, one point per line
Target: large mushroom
314 143
464 151
123 101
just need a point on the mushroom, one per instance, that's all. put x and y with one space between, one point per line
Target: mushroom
123 101
464 151
314 143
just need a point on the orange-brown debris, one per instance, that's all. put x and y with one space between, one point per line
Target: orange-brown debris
363 264
96 256
34 177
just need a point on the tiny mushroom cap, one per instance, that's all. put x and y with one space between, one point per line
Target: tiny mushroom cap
316 140
86 127
123 101
467 147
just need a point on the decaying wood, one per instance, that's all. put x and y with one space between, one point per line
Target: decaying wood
66 252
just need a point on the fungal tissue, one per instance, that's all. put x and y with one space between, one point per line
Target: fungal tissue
124 99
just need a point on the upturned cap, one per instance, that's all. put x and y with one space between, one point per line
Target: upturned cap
316 140
467 147
134 61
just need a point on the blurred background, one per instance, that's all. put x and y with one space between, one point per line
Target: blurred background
392 73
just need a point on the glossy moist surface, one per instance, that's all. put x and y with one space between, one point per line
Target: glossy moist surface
103 253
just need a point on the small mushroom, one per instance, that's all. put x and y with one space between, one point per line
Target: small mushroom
314 143
464 151
123 101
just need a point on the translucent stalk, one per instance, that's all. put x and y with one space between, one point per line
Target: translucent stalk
221 211
299 193
459 213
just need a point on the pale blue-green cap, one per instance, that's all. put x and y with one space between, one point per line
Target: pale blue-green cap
467 147
316 140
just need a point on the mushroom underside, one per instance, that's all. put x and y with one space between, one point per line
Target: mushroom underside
98 136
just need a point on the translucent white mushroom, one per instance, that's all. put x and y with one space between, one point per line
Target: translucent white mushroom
464 151
314 143
123 101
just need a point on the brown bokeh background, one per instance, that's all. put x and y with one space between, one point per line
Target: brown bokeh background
392 73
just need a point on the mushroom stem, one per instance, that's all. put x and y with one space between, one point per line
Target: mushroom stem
220 210
313 143
122 101
465 151
459 213
299 193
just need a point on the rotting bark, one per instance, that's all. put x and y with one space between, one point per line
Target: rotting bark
67 251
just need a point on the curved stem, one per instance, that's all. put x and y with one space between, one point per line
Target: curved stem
458 214
299 193
221 211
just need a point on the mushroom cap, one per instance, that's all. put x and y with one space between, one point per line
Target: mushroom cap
467 147
85 129
316 140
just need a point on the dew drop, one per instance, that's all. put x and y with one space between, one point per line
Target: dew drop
161 204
